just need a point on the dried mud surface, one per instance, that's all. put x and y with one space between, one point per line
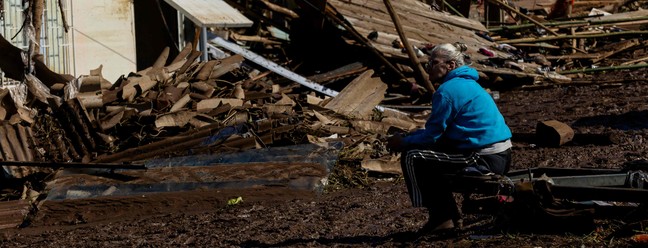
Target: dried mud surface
610 122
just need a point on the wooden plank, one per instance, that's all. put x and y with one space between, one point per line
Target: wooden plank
554 77
211 13
382 166
280 9
342 72
634 61
360 97
254 38
615 48
371 127
573 56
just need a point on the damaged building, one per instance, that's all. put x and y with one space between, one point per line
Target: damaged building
179 95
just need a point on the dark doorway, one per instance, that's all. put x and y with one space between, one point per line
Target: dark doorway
156 27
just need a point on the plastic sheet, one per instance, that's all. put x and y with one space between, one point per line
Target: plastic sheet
82 192
325 154
89 183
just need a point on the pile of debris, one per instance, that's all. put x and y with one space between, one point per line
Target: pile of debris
579 43
186 110
181 107
536 43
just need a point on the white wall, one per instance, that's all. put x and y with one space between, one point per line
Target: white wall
103 33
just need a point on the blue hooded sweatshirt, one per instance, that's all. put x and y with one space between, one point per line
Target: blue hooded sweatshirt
463 113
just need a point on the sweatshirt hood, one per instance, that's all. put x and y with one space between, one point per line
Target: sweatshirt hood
463 71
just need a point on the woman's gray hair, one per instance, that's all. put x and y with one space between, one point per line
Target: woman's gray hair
451 52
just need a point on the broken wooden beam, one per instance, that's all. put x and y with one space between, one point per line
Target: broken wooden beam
569 23
419 72
565 37
344 71
553 133
254 38
598 69
360 97
616 48
280 9
634 61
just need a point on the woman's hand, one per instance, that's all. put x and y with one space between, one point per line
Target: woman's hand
395 143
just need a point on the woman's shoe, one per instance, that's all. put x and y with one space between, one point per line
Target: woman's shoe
437 227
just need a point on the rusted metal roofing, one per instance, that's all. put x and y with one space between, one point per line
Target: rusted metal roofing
211 13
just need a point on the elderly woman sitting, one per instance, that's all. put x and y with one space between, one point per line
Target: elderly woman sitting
465 129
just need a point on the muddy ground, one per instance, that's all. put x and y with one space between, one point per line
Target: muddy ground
610 121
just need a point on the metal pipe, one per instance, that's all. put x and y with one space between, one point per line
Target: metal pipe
203 43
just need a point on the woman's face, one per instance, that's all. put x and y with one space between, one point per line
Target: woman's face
437 68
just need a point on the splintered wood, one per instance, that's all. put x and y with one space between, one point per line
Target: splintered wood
360 97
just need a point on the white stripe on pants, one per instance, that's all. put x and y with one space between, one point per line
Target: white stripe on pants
430 158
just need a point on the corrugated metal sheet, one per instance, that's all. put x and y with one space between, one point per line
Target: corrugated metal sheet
211 13
17 143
